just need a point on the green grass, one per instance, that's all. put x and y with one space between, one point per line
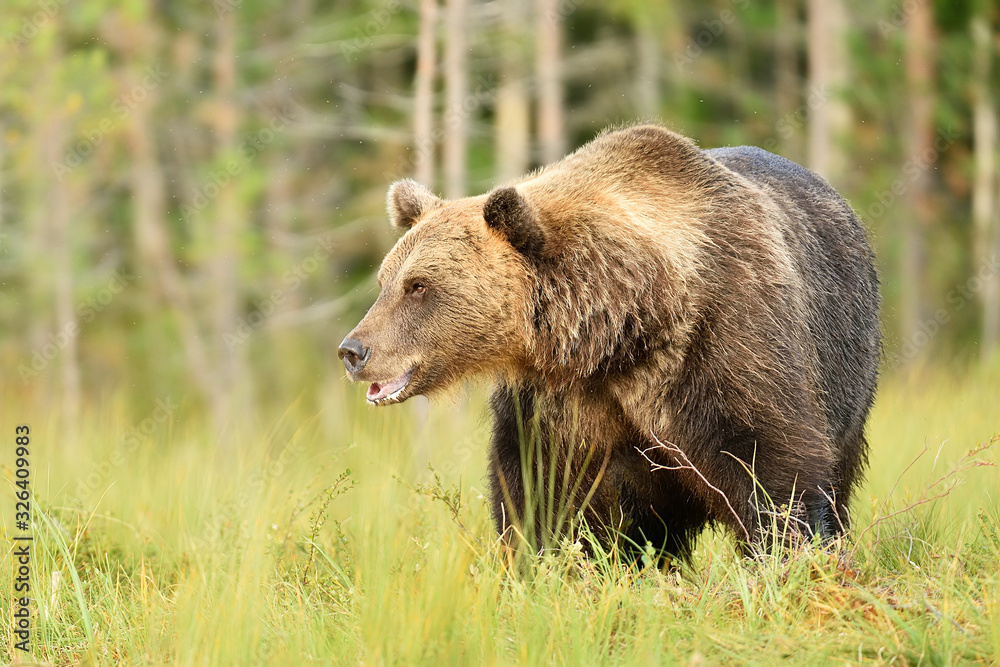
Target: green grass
177 547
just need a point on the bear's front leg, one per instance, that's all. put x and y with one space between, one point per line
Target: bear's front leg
544 478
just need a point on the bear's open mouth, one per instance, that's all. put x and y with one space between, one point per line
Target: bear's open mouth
380 393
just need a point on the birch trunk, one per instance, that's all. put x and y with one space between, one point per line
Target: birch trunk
830 121
61 246
786 45
423 102
456 117
919 141
224 264
985 216
548 55
512 133
647 82
152 241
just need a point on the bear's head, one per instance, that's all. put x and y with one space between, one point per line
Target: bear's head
455 294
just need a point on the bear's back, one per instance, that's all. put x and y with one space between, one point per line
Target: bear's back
831 252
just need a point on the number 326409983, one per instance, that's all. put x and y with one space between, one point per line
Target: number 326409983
23 473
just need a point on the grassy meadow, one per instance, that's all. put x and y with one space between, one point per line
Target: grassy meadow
322 537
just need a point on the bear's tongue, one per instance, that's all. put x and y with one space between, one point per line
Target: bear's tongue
378 391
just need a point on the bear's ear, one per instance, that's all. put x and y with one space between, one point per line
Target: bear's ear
407 200
509 213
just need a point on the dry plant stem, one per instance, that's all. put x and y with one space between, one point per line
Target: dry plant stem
685 464
789 516
967 462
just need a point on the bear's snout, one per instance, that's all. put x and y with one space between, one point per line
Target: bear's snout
354 354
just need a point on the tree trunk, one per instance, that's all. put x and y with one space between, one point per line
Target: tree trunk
156 264
647 75
61 240
513 116
3 235
152 242
829 122
919 141
985 216
548 49
786 46
456 117
423 102
224 264
279 216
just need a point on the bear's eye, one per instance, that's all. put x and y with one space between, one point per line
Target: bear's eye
417 288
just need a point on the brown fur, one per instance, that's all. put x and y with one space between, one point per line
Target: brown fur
641 302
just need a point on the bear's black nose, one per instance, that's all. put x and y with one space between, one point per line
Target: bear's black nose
354 354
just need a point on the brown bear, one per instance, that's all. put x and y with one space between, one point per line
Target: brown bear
678 337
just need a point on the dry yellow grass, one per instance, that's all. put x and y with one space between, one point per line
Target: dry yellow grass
157 544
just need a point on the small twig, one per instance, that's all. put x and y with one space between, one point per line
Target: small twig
903 474
927 606
965 463
790 516
686 464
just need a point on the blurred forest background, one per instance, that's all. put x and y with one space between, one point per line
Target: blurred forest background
192 193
